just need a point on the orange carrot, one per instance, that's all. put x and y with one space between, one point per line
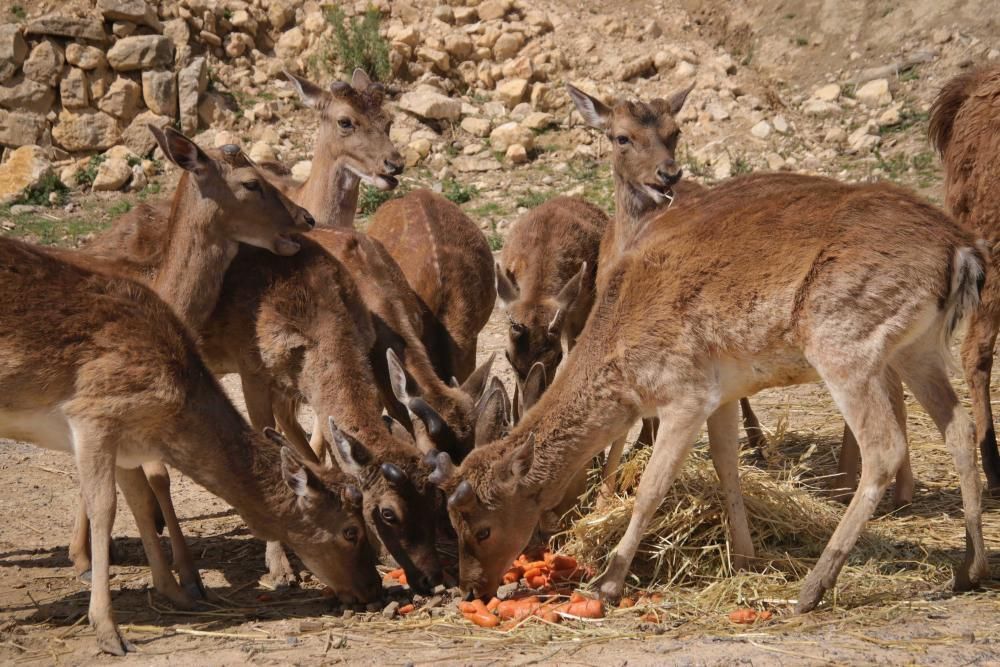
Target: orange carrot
467 607
626 603
492 604
540 581
406 609
563 563
483 619
745 616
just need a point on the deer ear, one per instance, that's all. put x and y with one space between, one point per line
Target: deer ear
397 376
493 418
506 289
180 150
310 94
534 386
476 382
595 112
566 297
677 99
295 474
523 459
351 455
360 80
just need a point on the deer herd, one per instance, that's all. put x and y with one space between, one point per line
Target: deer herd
674 310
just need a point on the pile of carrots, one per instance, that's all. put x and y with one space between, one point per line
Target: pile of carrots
551 610
551 569
398 575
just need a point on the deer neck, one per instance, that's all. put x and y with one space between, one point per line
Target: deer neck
330 193
631 212
197 255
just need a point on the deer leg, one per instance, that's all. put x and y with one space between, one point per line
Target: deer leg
280 573
647 436
845 482
79 543
95 459
143 503
902 494
609 474
286 416
159 481
679 425
724 446
931 387
977 362
866 404
751 426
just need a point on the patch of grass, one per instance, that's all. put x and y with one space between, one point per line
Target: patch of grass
119 208
494 238
227 13
371 198
357 43
741 165
532 198
17 11
907 118
801 41
692 165
151 189
457 192
48 229
41 194
487 210
86 176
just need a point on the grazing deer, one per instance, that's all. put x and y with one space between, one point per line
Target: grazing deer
647 178
96 365
221 200
963 128
772 280
447 261
545 280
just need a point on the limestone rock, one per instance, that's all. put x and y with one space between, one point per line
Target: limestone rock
44 65
537 120
465 15
511 133
74 89
861 141
237 43
85 57
178 32
491 10
159 91
512 92
828 93
427 103
63 25
444 14
121 99
458 45
112 175
874 93
780 124
100 82
134 11
24 169
290 44
261 151
516 154
139 178
475 163
507 46
137 136
191 83
439 59
640 67
477 127
761 130
819 108
87 131
19 128
301 170
13 50
27 95
141 52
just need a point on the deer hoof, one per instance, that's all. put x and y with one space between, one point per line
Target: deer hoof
110 640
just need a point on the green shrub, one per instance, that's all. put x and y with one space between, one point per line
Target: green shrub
40 194
87 175
369 199
357 43
494 238
458 193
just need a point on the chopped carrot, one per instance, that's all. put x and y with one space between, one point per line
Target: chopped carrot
492 604
466 607
626 603
483 619
651 617
749 616
406 609
539 581
586 609
563 563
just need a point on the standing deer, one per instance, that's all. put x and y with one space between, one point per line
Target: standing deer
221 200
644 139
771 280
96 365
964 126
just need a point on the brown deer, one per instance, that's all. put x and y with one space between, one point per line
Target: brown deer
221 200
771 280
963 128
644 137
545 280
448 263
96 365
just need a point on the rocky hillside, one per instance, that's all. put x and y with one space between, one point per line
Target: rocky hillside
835 88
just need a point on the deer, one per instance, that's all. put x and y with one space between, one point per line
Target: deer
962 128
644 138
221 200
769 280
97 365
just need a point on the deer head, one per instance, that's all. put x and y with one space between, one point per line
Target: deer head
536 325
353 130
247 207
398 501
643 139
330 535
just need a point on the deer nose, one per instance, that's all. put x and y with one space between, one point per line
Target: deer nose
668 172
309 220
394 167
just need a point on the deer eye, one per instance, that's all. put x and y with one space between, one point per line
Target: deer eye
252 186
345 123
389 516
622 139
483 535
351 534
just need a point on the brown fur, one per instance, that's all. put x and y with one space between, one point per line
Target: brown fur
97 364
769 281
965 129
447 261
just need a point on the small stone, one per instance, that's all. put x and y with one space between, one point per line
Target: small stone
458 45
507 46
477 127
210 38
511 133
85 57
74 89
828 93
835 135
25 168
775 162
122 99
13 50
819 108
159 91
761 130
84 131
890 116
780 124
941 36
639 67
465 15
874 93
123 29
723 167
301 170
685 70
45 63
439 59
178 32
237 43
427 103
516 154
444 14
141 52
290 44
490 10
505 591
538 120
438 590
112 174
717 111
261 151
474 163
861 141
512 92
245 23
224 138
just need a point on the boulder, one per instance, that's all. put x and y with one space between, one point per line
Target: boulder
25 168
191 83
137 136
490 10
20 128
27 95
159 91
477 127
178 32
74 89
13 50
45 63
134 11
85 57
86 131
508 134
537 120
430 104
458 45
512 92
874 93
516 154
141 52
507 46
122 99
112 174
63 25
290 44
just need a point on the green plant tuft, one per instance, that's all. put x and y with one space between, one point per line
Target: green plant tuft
86 176
458 193
357 43
40 195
